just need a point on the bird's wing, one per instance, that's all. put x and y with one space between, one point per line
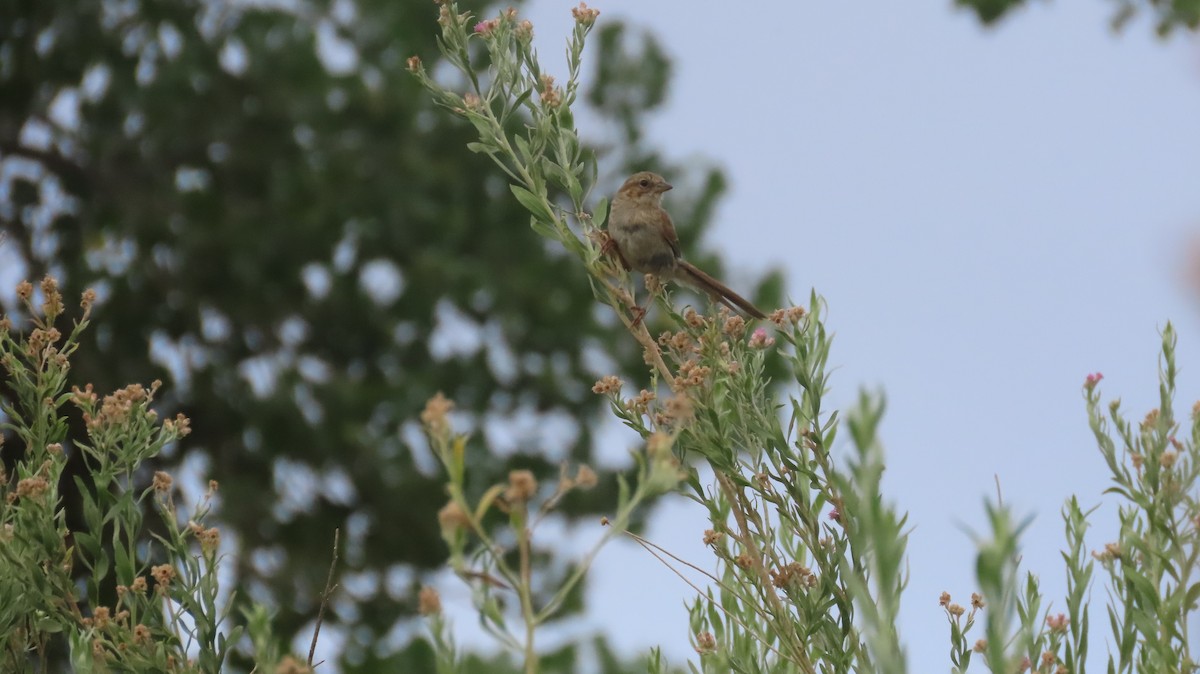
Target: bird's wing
668 232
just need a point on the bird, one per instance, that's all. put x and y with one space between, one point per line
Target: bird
643 237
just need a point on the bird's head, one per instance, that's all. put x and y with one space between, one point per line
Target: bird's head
644 186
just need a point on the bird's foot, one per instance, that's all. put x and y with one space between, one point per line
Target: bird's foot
639 313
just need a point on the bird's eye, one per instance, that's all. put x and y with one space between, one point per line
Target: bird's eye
644 183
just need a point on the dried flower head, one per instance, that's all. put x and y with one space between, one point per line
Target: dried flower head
524 30
706 643
52 304
608 385
956 610
428 601
414 64
436 414
25 291
210 540
659 444
550 95
1111 552
452 517
678 408
162 481
118 407
734 326
141 634
163 575
472 102
711 537
585 477
944 599
1058 623
1167 458
41 342
976 600
522 486
292 665
793 574
84 396
138 586
641 403
691 374
585 15
32 488
682 342
980 646
101 617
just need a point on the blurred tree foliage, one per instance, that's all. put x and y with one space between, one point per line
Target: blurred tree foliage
284 230
1168 14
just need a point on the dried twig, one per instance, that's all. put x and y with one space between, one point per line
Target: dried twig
330 586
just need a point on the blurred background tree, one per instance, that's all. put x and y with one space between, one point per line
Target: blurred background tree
1168 14
282 228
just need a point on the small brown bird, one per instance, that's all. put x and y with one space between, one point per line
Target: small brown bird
645 240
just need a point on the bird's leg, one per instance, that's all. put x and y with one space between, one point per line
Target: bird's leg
636 309
639 313
654 288
607 244
609 248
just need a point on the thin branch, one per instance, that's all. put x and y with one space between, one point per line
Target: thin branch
650 547
330 586
782 616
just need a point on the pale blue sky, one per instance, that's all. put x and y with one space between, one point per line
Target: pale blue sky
991 214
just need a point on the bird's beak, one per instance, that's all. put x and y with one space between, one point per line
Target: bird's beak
665 186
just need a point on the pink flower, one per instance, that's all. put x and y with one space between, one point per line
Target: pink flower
485 27
1092 380
760 339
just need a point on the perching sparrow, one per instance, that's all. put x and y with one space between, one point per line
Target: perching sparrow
645 240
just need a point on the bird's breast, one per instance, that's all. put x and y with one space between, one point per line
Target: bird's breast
644 247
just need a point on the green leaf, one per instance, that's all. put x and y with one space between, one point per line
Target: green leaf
600 212
124 565
1193 595
535 205
101 569
89 544
521 99
524 153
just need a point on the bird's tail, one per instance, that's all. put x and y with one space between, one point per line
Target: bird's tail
717 289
